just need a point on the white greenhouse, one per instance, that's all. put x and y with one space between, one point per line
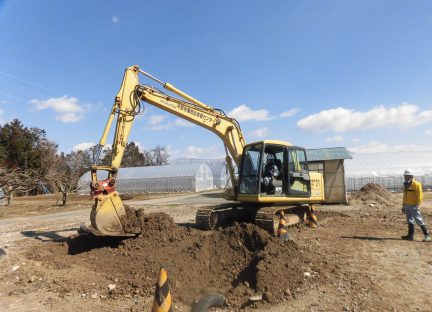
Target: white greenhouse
218 168
220 175
387 169
158 179
195 175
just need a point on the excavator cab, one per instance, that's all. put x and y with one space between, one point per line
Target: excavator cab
273 170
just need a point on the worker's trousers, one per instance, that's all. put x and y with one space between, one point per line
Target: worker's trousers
412 214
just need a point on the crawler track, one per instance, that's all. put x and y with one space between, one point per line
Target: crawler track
268 217
209 218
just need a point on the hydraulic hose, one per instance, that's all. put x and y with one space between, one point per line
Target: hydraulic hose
208 301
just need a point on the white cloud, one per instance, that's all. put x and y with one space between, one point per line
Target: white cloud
66 108
355 140
343 120
156 119
336 138
114 19
156 123
428 132
243 113
160 127
260 133
377 147
289 113
215 151
83 146
183 123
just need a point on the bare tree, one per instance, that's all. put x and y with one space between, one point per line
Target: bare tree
66 183
134 157
68 170
18 180
157 156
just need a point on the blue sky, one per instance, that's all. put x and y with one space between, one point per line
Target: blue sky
313 73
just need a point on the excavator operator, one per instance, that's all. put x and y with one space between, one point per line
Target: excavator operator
270 172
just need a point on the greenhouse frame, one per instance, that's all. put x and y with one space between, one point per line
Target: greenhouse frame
195 177
387 169
220 175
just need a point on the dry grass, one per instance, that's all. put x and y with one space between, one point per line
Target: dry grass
42 204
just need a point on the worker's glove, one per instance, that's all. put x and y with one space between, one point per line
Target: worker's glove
403 209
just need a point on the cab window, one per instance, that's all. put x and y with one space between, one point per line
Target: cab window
298 173
250 170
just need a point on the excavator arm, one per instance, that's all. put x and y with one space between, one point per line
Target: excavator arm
109 215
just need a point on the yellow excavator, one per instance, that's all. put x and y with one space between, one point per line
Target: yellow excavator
273 176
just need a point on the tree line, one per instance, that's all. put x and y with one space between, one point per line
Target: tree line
31 164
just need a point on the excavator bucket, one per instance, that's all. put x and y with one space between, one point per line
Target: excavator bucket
107 217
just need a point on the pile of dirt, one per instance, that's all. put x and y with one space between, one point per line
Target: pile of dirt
372 193
135 221
238 262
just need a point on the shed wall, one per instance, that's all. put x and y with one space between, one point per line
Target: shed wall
334 179
334 182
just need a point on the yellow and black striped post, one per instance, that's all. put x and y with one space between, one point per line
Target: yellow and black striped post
162 299
312 218
283 228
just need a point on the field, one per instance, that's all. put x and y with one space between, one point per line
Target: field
353 261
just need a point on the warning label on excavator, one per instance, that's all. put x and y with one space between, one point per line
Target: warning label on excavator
166 103
315 187
195 113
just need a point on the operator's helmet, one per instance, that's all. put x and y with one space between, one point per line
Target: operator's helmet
270 158
408 172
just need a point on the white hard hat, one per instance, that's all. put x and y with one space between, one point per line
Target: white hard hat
408 172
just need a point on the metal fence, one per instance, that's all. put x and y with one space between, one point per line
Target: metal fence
394 183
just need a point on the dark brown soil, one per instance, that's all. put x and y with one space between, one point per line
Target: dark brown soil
353 261
238 262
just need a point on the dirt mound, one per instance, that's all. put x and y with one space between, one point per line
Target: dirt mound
372 193
237 262
136 221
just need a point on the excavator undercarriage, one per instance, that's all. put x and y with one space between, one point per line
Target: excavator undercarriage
266 217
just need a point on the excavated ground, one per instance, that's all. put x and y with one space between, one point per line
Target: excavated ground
354 261
237 262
